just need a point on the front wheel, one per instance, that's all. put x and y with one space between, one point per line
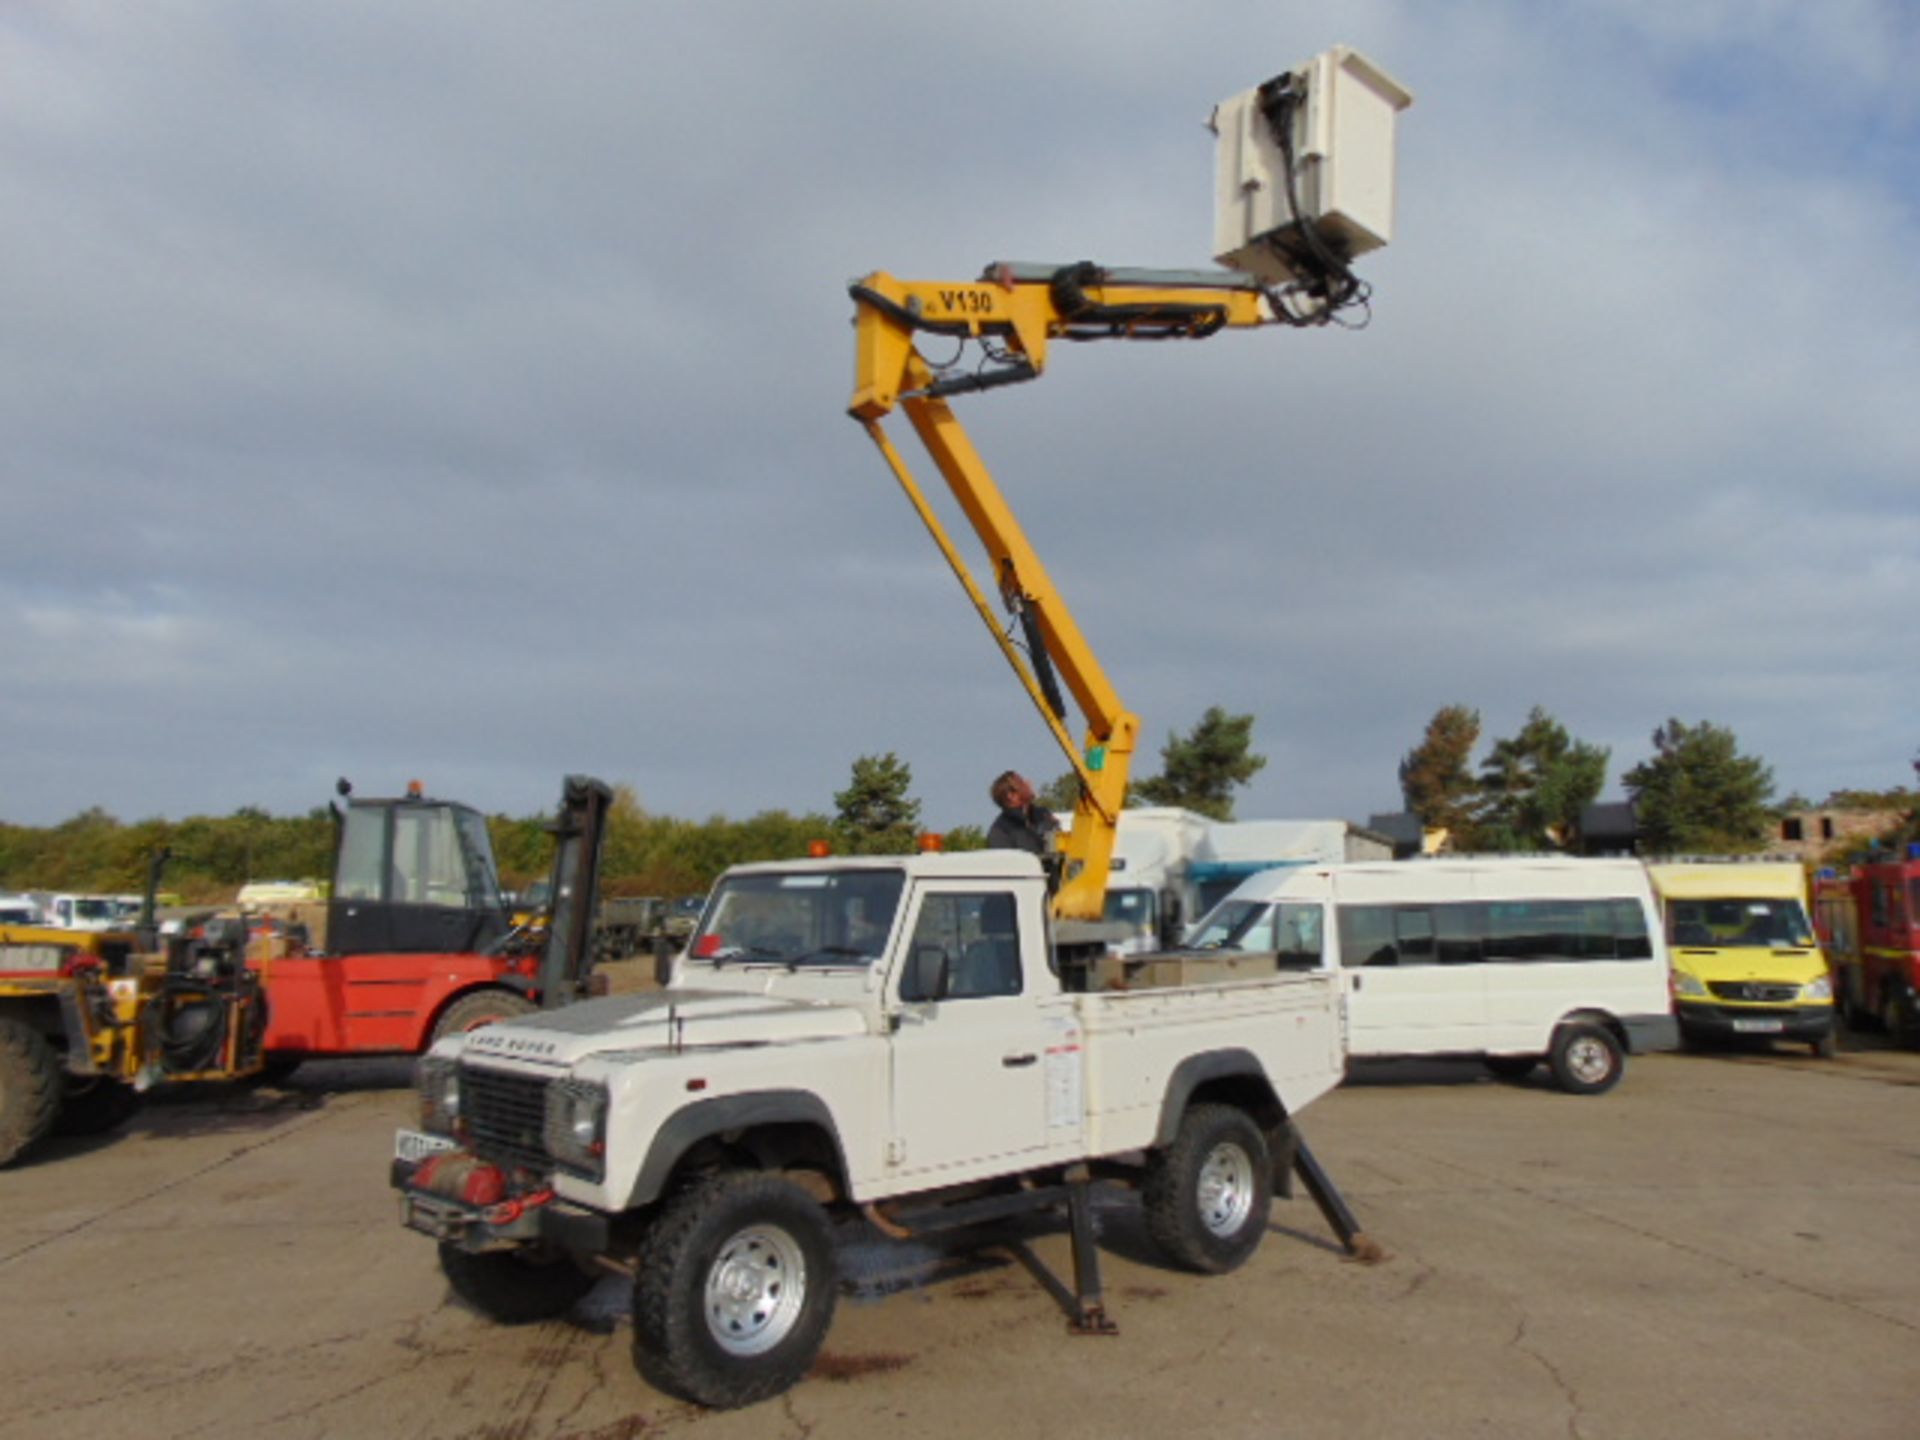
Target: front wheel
736 1289
1208 1194
31 1082
483 1007
516 1287
1586 1060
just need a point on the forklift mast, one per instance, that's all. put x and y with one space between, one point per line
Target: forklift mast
579 830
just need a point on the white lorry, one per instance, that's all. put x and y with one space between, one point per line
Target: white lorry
887 1036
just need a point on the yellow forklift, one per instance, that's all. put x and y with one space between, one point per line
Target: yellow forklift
89 1020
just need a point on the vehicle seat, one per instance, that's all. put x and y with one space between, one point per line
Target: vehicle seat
989 966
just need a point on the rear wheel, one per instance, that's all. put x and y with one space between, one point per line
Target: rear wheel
1208 1194
483 1007
736 1289
516 1287
1586 1059
31 1082
1897 1016
95 1106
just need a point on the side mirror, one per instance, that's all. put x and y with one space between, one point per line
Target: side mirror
926 977
662 961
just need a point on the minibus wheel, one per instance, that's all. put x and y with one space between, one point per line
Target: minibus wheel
1586 1059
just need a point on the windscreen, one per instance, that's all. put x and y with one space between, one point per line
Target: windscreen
1133 907
1235 925
800 918
1739 924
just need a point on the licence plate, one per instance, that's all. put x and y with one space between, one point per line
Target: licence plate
1758 1027
417 1145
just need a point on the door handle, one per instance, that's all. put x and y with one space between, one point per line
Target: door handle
1017 1062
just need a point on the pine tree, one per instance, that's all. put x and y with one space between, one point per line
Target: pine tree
1434 779
875 814
1699 794
1201 770
1534 786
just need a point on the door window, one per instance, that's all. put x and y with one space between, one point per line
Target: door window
965 946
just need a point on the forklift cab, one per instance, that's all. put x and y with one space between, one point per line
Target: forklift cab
411 876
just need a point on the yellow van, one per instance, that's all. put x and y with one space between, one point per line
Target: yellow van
1744 958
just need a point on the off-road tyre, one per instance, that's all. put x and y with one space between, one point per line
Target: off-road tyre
736 1289
95 1106
31 1083
483 1007
1207 1196
516 1287
1586 1059
1511 1068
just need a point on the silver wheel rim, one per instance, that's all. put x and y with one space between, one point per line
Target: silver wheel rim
1589 1059
755 1288
1226 1189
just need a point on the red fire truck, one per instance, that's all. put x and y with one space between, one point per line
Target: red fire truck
1869 922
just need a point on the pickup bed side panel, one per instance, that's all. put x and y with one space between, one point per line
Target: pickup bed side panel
1137 1041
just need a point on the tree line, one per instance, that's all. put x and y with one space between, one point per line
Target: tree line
1697 793
644 853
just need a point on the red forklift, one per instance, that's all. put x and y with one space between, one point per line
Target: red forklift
419 942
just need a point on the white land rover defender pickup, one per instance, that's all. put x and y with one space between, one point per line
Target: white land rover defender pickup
888 1035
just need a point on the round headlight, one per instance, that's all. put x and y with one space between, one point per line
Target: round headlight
584 1129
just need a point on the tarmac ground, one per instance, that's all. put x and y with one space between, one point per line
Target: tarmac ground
1728 1245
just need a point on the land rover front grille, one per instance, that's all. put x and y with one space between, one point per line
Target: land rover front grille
505 1117
1754 991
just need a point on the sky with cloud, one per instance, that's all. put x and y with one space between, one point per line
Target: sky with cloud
457 390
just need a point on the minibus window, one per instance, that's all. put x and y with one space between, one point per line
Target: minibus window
1366 936
1458 931
1413 930
1630 937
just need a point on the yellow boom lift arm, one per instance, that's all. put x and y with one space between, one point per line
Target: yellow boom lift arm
1013 312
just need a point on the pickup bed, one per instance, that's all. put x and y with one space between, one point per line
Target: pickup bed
886 1035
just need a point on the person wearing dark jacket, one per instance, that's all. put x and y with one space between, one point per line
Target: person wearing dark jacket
1021 824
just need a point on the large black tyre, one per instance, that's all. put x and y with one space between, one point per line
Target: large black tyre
1586 1059
482 1007
736 1288
1511 1067
1208 1194
95 1106
514 1287
31 1082
1897 1017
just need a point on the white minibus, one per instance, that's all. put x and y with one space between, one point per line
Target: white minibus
1513 960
